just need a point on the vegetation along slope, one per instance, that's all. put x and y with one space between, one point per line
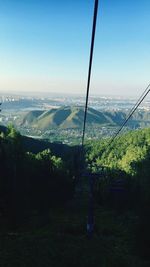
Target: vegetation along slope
43 216
72 117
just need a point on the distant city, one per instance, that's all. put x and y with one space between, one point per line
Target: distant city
50 100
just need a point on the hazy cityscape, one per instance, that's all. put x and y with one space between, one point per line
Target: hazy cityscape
50 100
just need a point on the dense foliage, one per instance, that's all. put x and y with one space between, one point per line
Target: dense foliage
127 157
124 153
125 178
36 181
30 181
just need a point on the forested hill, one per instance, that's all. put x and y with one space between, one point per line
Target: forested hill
72 117
125 153
41 188
31 180
129 152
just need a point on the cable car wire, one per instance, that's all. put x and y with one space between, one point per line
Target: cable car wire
90 68
140 100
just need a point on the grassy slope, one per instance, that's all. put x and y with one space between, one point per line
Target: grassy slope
63 241
31 116
72 117
65 117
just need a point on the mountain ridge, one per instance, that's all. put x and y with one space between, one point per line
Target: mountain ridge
72 117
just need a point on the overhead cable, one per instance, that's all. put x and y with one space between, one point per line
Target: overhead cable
90 67
134 108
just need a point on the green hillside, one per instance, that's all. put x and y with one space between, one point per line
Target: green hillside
31 116
43 216
72 117
64 117
125 153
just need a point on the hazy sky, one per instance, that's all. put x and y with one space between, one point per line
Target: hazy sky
44 45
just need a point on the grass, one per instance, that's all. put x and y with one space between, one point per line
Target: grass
63 241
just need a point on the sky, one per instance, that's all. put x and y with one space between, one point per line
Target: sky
45 44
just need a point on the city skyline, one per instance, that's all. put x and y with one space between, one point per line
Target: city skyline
44 46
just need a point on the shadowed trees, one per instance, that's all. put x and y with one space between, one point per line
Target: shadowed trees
30 181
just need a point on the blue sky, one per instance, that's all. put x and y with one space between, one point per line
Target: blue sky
44 45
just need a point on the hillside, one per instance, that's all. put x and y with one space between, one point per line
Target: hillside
126 153
72 117
44 215
64 117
